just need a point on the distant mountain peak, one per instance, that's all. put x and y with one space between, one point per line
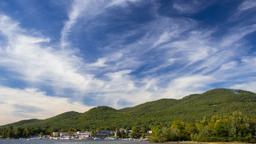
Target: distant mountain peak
102 108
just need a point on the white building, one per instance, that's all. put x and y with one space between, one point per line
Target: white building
83 135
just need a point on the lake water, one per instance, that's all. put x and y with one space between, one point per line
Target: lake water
24 141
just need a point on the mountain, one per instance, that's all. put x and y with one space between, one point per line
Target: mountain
189 108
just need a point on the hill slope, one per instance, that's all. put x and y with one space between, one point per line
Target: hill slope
189 108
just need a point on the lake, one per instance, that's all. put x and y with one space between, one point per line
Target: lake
24 141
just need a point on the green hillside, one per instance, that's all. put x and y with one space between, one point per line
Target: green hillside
189 108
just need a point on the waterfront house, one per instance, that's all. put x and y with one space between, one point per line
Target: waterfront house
55 134
104 133
83 135
65 135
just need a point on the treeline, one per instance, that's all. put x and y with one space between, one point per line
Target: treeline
11 132
233 127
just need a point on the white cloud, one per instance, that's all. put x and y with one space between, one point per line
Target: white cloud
87 9
167 36
33 60
185 85
101 62
190 7
121 2
249 86
247 4
36 104
236 34
232 70
193 48
79 8
37 63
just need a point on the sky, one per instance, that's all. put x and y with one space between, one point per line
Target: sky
72 55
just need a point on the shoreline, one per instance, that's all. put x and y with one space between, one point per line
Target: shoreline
125 140
192 142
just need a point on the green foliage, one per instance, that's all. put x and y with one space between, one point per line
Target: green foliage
138 132
122 133
10 132
178 131
160 134
232 127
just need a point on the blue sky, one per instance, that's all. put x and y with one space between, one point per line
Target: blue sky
62 55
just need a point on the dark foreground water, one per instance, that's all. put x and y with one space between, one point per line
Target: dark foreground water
24 141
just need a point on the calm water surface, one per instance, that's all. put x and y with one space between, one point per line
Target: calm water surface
24 141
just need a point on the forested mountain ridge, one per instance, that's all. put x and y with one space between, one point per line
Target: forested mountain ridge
190 108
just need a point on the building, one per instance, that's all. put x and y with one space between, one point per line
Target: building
55 134
65 135
83 135
104 133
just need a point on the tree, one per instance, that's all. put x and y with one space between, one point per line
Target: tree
135 132
221 128
26 132
239 126
179 131
18 132
160 134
